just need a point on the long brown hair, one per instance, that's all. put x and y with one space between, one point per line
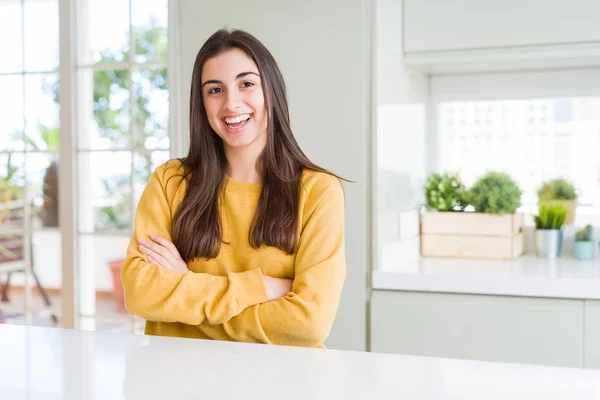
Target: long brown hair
196 229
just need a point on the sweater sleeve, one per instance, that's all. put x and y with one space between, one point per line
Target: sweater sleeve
304 316
156 294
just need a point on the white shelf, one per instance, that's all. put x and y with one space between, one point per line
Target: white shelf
527 276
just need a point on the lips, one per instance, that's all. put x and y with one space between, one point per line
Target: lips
236 123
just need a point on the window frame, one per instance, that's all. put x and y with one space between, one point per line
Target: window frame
513 85
69 18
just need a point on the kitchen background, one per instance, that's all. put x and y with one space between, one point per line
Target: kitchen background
448 115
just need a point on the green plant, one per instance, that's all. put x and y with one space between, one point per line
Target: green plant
115 215
550 216
445 192
584 235
495 193
557 189
10 187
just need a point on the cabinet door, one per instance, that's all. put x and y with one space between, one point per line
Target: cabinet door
441 25
592 334
490 328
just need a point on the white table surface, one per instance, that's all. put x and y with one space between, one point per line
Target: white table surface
564 277
44 363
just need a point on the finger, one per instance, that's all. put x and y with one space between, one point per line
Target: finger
153 261
165 243
158 249
152 246
159 259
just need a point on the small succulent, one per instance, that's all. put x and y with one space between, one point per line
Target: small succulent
445 192
550 216
495 193
584 235
557 189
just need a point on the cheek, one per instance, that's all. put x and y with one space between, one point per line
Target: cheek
258 103
212 109
212 112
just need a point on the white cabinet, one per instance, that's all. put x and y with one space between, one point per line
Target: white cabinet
592 334
491 328
442 25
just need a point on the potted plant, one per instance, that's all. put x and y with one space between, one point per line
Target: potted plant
562 192
495 193
548 232
584 244
445 192
493 231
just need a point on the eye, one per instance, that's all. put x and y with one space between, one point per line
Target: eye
247 84
214 90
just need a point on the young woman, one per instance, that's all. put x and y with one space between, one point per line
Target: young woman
243 239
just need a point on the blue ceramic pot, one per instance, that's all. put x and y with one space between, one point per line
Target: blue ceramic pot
584 250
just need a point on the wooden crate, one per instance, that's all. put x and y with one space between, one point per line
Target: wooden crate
472 235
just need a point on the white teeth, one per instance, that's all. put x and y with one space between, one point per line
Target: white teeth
237 119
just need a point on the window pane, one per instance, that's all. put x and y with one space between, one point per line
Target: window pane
151 110
100 258
11 104
107 26
105 113
11 27
145 164
42 112
41 44
105 191
42 184
46 258
12 193
149 20
532 140
11 255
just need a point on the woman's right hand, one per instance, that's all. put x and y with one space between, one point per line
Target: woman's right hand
276 287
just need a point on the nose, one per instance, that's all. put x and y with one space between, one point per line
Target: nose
233 100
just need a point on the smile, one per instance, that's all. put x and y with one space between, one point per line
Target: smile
237 123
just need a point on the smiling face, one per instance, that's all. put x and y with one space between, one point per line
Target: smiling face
234 100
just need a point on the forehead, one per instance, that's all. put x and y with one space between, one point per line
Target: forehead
226 65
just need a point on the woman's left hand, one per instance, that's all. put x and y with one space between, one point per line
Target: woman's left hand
164 253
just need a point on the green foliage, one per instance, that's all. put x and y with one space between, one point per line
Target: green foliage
10 186
116 215
550 216
112 116
49 138
585 235
557 189
111 112
151 41
495 193
445 192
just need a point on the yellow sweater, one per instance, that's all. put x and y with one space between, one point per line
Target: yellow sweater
225 298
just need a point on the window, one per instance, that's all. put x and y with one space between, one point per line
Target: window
29 143
531 139
122 136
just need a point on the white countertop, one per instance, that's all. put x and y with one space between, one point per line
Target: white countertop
44 363
564 277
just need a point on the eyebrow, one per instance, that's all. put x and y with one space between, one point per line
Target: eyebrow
239 76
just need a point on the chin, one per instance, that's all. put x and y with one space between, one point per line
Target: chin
239 142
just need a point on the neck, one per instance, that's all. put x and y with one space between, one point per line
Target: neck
242 164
